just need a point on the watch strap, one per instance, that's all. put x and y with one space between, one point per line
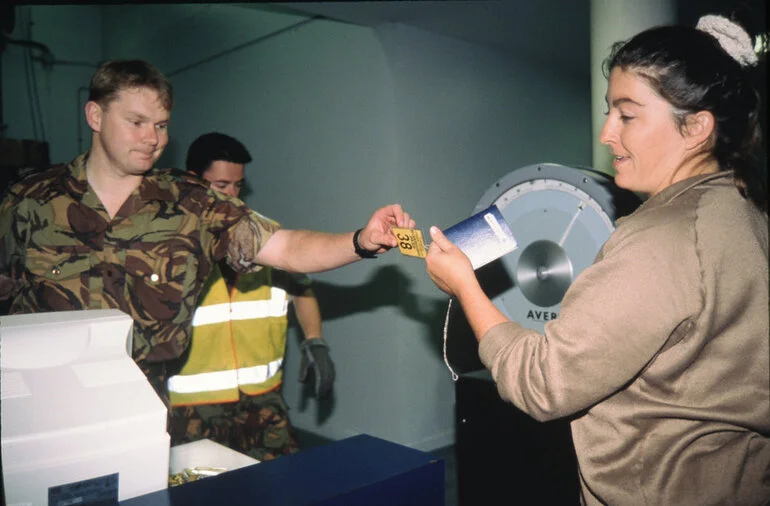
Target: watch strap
363 253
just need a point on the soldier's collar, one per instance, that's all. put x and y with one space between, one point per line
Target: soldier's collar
76 180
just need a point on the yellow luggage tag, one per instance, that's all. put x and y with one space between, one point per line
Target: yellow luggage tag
410 242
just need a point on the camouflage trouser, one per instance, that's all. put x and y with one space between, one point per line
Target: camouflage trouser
255 425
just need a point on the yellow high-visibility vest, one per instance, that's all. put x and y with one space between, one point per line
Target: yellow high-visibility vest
238 341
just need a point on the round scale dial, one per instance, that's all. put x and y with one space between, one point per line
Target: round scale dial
560 216
560 229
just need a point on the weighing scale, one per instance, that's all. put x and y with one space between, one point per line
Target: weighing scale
560 216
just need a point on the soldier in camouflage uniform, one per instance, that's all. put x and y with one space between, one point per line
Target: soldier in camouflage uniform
229 389
109 230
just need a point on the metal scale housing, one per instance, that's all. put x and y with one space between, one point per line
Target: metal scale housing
560 216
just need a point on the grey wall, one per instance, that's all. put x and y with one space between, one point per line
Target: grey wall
56 116
340 119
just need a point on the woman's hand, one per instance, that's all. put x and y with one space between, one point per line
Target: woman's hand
447 265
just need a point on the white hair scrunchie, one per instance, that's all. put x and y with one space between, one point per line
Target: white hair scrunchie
731 36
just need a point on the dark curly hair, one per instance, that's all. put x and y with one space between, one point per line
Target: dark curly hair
689 69
212 147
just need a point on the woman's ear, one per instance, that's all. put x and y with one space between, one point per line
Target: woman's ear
698 129
94 115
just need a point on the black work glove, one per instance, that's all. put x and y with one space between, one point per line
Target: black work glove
315 355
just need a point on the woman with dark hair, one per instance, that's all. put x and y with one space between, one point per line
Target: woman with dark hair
661 352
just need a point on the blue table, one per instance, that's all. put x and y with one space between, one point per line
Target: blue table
360 470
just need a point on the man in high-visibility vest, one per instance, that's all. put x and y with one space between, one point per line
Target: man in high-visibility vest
229 389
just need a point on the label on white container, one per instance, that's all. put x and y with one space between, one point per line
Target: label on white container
99 490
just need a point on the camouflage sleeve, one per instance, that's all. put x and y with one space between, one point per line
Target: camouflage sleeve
239 233
11 229
246 239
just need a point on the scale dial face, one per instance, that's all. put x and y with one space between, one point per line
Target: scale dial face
560 216
560 227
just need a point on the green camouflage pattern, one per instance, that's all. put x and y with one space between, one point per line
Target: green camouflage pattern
59 250
255 425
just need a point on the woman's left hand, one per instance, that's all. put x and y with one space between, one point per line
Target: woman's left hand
448 267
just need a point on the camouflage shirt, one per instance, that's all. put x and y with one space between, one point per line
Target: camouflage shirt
60 250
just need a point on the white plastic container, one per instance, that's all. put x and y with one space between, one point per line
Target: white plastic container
80 422
207 453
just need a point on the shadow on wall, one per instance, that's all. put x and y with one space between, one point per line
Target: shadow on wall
388 286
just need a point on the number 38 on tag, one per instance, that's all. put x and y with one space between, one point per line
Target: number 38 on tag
410 242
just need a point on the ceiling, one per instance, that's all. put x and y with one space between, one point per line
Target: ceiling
551 32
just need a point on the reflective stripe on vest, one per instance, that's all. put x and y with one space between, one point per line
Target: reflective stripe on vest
245 310
223 380
206 319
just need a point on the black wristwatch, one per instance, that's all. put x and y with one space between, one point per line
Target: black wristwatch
363 253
